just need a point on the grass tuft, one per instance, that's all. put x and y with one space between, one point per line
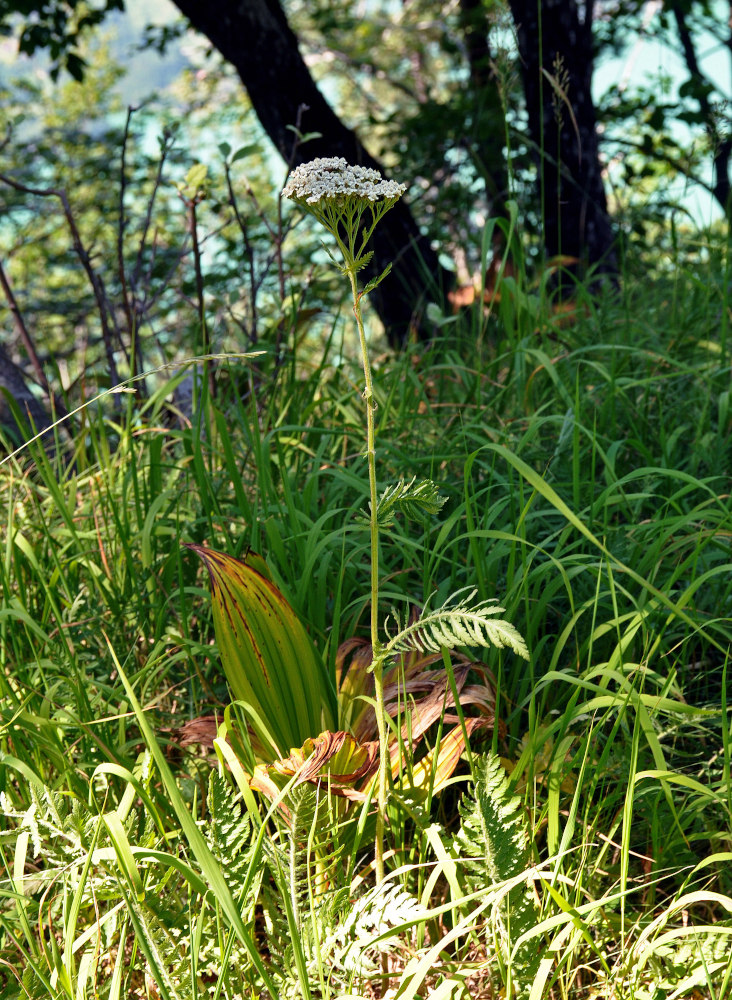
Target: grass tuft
585 466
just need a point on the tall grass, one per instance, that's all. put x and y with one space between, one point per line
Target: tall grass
586 466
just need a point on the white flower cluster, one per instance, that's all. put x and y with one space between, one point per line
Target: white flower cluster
332 178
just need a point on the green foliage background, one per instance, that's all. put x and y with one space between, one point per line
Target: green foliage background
583 846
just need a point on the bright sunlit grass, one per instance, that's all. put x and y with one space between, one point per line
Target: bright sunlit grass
586 469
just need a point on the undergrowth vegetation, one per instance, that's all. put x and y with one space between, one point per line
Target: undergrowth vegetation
578 841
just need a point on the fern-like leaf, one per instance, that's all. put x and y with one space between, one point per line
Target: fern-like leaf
164 947
416 500
456 623
306 870
371 285
350 944
492 846
228 831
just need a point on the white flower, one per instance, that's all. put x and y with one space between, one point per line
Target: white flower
333 179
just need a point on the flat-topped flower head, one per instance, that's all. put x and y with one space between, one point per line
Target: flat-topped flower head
333 179
348 201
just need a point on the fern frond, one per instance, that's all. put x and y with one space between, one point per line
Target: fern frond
306 869
492 846
416 500
227 826
350 944
165 959
456 623
32 985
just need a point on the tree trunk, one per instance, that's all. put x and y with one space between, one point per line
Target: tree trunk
13 384
556 50
702 86
254 36
489 121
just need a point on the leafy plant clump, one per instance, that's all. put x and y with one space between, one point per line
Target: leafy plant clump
342 199
348 771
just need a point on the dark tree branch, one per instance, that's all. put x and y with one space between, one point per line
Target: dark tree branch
94 279
128 303
256 39
489 111
30 347
22 330
555 47
676 163
13 382
721 144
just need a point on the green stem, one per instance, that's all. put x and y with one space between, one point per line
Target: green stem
374 527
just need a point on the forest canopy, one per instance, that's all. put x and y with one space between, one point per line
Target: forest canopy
456 101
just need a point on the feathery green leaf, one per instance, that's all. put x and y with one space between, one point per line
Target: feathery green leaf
456 623
416 500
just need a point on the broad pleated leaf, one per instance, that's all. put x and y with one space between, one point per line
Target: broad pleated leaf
268 658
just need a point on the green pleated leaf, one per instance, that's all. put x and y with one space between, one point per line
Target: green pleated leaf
269 660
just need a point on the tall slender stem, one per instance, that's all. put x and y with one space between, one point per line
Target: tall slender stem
374 528
339 196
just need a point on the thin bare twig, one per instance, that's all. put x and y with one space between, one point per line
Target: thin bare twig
253 334
721 143
28 344
166 146
198 271
191 202
127 304
281 233
110 331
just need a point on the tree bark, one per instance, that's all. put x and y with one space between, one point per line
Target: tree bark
720 137
489 122
556 51
12 382
254 36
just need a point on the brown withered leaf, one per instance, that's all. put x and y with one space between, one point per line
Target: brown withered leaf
202 730
437 767
419 691
337 757
260 781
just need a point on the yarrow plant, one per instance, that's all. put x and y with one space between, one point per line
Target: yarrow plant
327 185
349 201
339 196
